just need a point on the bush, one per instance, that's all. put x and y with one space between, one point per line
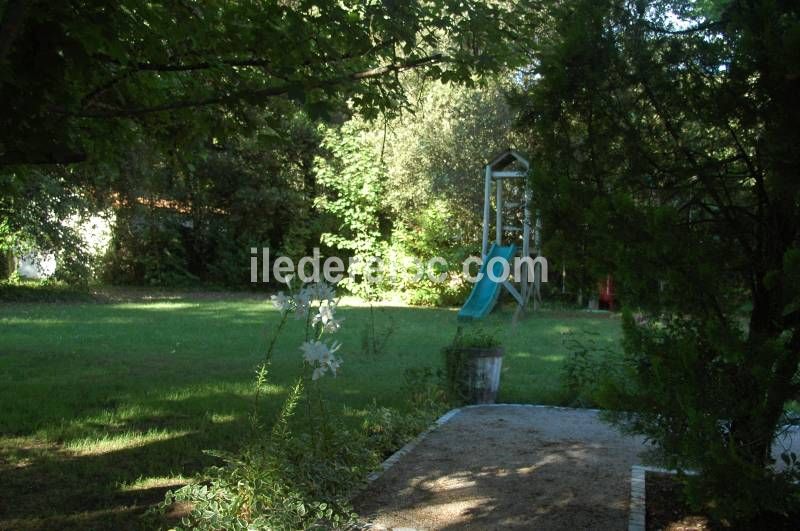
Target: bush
388 429
589 371
18 290
148 248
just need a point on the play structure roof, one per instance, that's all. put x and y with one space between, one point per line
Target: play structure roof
506 158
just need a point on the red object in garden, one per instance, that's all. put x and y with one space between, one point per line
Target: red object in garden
606 296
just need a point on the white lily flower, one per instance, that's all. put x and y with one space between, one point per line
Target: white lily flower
302 302
333 364
282 302
332 326
334 347
325 292
326 316
314 351
320 291
320 356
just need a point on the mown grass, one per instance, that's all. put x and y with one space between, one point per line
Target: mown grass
105 406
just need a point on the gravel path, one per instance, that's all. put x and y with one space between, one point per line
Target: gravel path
509 467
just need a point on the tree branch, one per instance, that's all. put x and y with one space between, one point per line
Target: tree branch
175 66
254 94
57 155
711 24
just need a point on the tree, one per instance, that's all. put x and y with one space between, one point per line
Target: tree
76 78
352 179
668 133
436 152
87 81
412 185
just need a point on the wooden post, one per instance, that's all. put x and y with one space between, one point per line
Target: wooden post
499 209
526 243
487 198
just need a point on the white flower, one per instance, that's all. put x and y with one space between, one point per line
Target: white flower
302 301
314 351
326 316
332 326
321 357
334 347
281 302
334 362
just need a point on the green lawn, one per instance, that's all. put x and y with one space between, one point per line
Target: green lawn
103 406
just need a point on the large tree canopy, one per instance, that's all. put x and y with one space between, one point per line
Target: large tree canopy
667 142
76 77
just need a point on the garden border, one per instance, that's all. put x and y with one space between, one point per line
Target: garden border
392 460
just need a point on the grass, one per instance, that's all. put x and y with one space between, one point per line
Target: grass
105 406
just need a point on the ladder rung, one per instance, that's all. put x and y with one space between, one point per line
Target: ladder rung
502 174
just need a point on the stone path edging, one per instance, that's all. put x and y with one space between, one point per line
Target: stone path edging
409 446
638 505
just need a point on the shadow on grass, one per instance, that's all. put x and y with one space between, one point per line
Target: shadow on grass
96 488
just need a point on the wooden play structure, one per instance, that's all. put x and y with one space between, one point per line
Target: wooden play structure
516 236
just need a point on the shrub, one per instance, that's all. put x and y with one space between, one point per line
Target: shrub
374 337
285 478
589 370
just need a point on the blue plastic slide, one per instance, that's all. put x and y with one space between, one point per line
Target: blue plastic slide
485 292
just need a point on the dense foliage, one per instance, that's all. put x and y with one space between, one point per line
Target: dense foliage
358 189
666 141
157 90
194 216
79 79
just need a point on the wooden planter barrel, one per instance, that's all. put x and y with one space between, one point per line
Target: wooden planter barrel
483 373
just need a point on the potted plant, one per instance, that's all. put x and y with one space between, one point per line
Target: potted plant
472 366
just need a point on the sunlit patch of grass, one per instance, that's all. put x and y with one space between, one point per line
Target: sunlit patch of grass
221 419
167 482
122 441
160 305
